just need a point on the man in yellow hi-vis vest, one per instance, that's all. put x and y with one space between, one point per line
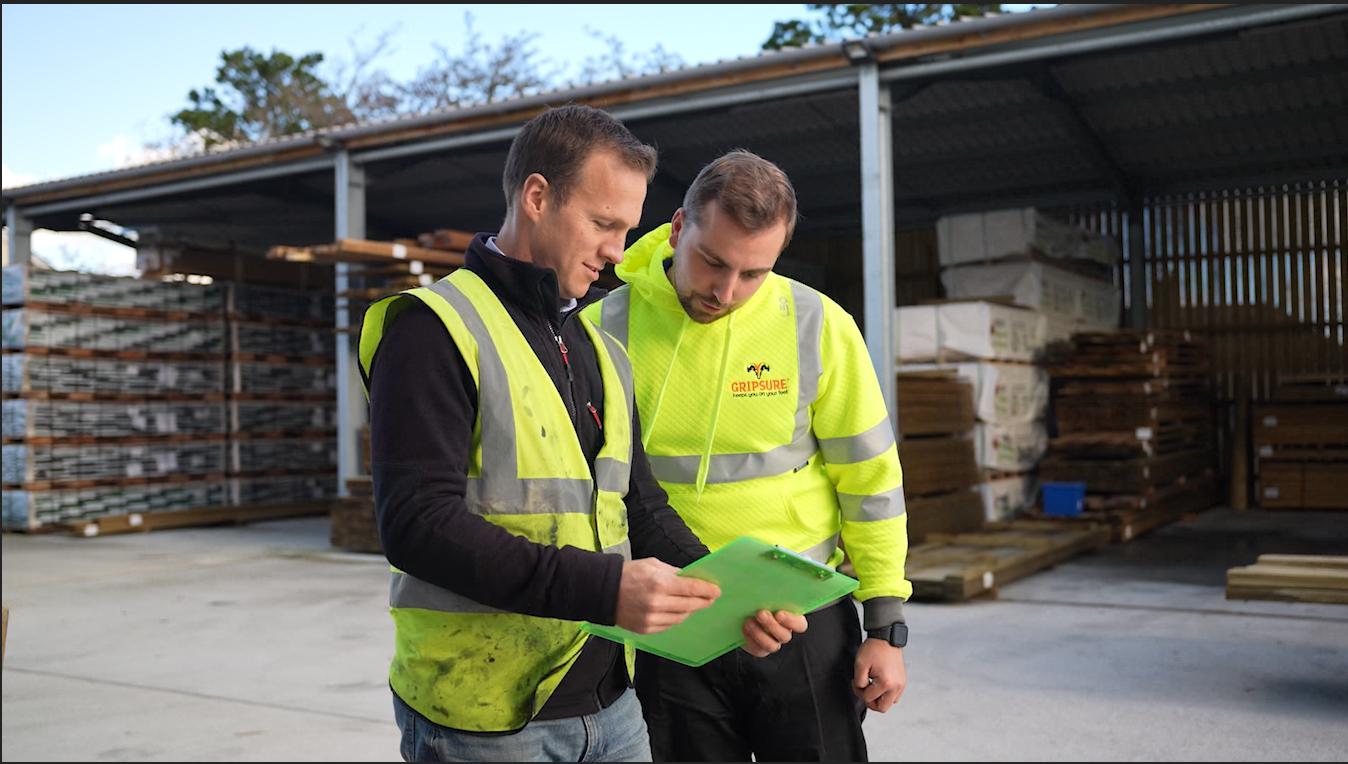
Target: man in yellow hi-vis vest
763 416
512 495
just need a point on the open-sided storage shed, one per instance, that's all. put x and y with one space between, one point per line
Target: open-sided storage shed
1211 138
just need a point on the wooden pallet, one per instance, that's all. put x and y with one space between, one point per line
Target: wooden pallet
953 567
1128 516
187 518
1320 579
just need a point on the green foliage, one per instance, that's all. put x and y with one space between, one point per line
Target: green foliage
260 97
847 21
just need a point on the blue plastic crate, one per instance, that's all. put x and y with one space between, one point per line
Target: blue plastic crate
1064 499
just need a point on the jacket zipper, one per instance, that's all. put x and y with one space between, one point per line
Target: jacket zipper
566 365
573 410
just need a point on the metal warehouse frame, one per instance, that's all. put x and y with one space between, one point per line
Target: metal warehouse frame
854 123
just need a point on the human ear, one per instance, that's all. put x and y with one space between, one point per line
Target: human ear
676 227
534 196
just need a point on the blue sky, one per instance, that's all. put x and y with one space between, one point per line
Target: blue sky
84 87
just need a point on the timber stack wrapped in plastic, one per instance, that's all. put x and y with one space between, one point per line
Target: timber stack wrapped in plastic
124 398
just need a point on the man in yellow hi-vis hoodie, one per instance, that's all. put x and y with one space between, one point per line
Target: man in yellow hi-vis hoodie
762 416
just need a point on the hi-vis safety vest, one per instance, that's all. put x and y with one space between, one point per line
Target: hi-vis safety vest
728 413
460 663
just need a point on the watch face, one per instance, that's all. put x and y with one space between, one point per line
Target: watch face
898 635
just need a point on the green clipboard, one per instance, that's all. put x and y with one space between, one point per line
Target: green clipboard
753 575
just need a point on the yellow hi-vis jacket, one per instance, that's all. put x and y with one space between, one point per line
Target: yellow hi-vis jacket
458 662
768 422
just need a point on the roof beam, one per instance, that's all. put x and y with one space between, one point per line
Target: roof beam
83 203
1086 136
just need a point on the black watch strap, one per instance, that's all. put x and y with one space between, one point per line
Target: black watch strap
895 634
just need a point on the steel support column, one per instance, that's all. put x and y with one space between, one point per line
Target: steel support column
20 236
351 409
877 226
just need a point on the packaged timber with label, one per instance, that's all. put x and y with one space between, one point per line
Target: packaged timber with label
977 329
979 236
1006 496
1010 448
1044 286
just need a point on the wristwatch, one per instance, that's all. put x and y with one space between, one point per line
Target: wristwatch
895 634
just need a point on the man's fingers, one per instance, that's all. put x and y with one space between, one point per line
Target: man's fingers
687 586
794 622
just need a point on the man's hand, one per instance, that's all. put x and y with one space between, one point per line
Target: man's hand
880 676
766 632
653 597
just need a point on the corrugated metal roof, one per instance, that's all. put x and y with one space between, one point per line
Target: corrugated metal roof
1241 95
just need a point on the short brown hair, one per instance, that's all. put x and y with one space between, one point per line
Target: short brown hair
556 143
753 191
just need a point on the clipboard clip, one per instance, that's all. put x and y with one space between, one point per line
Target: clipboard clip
803 564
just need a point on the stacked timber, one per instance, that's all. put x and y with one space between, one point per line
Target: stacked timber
132 404
1010 430
1132 419
940 471
997 348
280 396
1321 579
1300 439
379 268
959 566
1027 257
354 528
374 269
113 396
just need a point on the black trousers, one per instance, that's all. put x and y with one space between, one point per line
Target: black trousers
794 705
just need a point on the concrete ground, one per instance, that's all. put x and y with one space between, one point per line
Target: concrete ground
263 643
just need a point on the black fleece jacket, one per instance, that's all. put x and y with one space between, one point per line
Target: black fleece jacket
423 403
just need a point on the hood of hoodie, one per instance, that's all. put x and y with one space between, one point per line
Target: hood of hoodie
643 267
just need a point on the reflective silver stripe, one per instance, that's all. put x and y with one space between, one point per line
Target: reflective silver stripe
879 506
530 496
624 549
810 363
612 475
500 469
613 312
823 550
733 468
622 364
858 448
409 591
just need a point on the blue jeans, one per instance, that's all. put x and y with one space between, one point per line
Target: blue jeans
616 733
